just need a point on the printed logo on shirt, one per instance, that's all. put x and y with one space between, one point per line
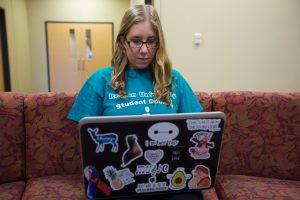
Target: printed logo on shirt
143 98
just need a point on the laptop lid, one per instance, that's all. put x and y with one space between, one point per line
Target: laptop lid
144 154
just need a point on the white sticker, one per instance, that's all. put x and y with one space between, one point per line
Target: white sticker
152 169
202 145
152 186
154 156
203 124
103 139
118 178
163 131
133 152
162 134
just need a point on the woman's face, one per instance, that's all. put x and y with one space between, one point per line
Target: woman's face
140 45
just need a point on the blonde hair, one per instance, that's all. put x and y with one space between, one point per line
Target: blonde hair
161 65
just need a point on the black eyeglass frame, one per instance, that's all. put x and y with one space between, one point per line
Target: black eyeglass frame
142 43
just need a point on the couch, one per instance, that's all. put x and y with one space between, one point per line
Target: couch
260 154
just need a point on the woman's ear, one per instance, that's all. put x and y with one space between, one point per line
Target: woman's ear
123 41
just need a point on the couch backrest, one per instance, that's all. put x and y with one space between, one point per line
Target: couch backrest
12 137
262 133
52 141
205 100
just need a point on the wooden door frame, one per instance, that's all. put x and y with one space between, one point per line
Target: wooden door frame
4 46
68 22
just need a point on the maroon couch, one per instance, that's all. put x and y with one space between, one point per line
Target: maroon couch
260 156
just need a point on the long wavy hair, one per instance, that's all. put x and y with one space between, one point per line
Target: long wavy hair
160 67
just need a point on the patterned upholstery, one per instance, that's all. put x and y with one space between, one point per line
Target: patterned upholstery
239 187
205 100
12 137
261 139
210 194
262 134
55 187
12 191
52 141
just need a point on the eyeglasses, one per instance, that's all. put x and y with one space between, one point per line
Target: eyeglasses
151 44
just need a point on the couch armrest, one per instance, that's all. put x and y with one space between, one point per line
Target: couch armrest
12 137
262 133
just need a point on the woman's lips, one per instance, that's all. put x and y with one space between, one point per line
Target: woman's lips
143 60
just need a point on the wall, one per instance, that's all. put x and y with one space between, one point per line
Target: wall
18 44
65 10
246 45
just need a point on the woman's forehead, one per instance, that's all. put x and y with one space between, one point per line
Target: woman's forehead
142 29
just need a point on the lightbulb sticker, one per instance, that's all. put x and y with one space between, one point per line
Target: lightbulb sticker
151 186
133 151
162 134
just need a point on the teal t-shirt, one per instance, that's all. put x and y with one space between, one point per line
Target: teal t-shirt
97 98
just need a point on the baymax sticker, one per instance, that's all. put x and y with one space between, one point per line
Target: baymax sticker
118 178
162 134
151 186
133 152
203 124
201 178
103 139
178 179
203 144
154 156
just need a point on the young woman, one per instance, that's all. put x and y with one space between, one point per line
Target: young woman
140 79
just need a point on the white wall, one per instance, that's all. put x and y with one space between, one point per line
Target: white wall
40 11
18 44
247 45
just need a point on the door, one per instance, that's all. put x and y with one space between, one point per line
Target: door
4 61
75 51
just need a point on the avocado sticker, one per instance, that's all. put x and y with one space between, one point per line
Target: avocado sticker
178 179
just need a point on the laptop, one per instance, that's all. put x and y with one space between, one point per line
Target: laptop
131 156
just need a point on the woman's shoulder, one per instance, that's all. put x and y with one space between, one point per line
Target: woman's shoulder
176 75
102 73
105 71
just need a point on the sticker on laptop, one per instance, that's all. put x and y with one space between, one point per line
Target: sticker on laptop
201 178
154 156
133 151
152 169
94 183
151 186
118 178
178 179
203 124
202 145
162 134
104 139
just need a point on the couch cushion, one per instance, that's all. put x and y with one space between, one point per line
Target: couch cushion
240 187
262 134
12 191
12 137
205 100
55 187
52 141
209 194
